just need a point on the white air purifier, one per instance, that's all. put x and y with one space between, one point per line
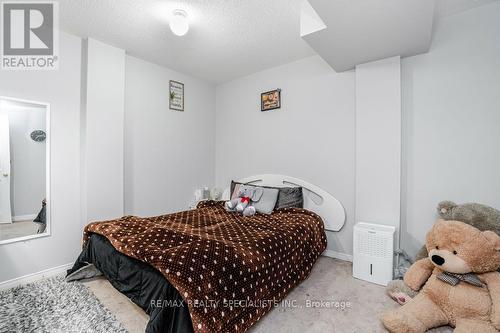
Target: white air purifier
373 257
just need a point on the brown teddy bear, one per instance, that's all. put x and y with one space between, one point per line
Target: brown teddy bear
480 216
461 285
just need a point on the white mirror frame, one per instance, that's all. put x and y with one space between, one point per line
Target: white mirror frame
47 231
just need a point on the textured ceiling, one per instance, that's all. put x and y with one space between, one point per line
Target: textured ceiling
227 38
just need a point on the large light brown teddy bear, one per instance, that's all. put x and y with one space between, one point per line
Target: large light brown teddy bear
480 216
459 283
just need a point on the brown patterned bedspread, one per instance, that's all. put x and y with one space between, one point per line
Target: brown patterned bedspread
230 270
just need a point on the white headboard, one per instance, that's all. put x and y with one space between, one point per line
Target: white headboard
315 199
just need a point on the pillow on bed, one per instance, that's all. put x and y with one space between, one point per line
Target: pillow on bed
267 201
287 196
290 197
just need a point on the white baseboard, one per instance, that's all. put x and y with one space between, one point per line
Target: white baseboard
337 255
23 218
34 276
62 269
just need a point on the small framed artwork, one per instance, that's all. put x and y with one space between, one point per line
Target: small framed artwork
176 96
270 100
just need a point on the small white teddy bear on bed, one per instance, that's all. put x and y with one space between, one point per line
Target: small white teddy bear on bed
243 202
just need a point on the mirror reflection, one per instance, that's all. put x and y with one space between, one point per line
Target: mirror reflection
23 169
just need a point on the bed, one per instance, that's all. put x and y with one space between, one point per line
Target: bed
209 270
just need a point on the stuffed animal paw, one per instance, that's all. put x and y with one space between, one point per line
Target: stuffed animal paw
400 292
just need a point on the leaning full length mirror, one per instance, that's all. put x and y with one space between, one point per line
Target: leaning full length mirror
24 170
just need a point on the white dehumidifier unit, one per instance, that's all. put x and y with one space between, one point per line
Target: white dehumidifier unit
373 257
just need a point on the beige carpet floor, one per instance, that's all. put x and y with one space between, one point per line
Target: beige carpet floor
17 229
331 280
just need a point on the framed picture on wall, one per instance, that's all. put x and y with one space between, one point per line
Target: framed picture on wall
270 100
176 96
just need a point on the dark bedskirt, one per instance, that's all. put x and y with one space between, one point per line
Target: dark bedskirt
140 282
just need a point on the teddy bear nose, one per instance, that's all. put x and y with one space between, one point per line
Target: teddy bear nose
438 260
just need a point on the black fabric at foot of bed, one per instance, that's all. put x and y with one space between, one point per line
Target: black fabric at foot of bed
140 282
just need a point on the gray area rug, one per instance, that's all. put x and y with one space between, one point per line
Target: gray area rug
53 305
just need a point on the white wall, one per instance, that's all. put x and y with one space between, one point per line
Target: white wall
378 142
61 89
102 131
311 137
167 153
451 99
28 159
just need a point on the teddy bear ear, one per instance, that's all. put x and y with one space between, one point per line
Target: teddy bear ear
493 238
446 206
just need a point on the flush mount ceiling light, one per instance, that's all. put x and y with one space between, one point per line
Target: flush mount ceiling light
179 22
